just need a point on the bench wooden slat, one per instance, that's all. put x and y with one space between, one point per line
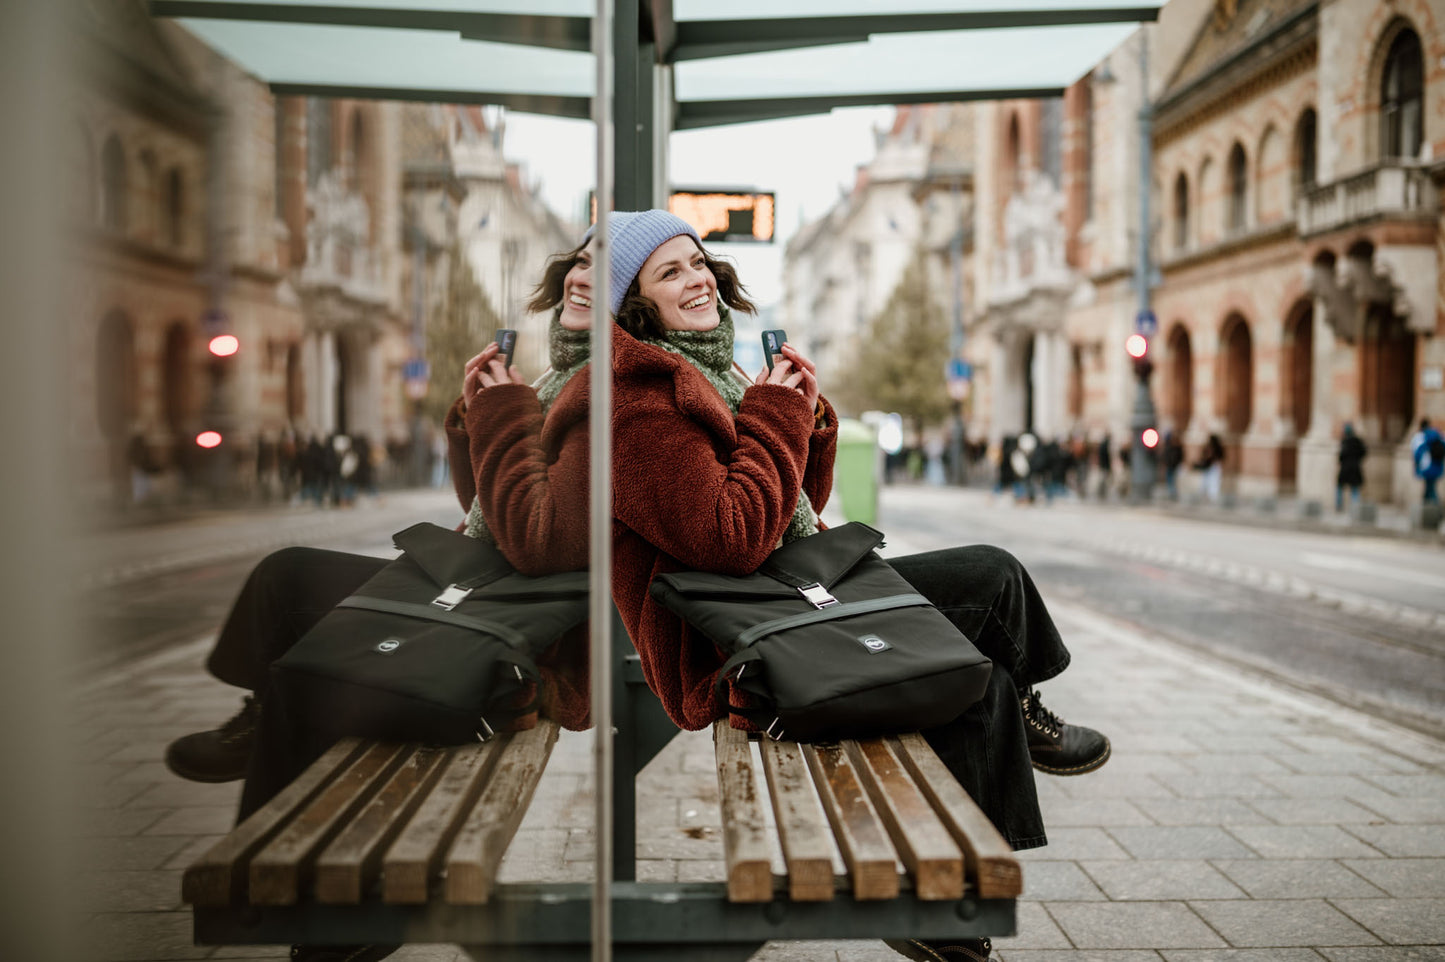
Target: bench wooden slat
279 870
415 856
802 830
924 845
744 825
476 853
219 877
860 836
349 863
991 862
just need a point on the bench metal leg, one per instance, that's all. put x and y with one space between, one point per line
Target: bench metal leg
643 730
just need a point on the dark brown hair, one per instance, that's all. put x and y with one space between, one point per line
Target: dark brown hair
548 292
639 316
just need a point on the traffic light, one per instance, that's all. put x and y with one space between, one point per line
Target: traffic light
1137 347
223 349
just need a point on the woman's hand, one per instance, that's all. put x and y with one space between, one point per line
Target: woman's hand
794 371
485 370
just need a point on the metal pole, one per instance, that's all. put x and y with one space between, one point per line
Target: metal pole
600 506
1142 459
955 253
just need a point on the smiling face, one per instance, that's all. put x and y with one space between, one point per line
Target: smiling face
577 293
677 279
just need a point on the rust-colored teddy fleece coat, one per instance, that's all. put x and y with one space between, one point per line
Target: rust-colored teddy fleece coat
696 488
532 474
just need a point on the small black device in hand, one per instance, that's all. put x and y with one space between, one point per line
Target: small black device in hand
506 339
773 342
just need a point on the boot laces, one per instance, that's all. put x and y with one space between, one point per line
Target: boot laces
243 722
1039 716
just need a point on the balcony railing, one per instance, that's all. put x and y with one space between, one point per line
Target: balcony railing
1387 190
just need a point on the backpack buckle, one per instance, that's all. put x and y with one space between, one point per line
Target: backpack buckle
780 733
451 597
482 726
818 596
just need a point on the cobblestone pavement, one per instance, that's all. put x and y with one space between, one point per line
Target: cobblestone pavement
1236 820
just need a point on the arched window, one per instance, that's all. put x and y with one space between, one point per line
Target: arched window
1306 156
112 184
1402 113
1238 385
175 208
1014 159
1181 212
1238 188
148 217
1179 365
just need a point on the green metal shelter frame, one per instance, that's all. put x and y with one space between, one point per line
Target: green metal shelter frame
639 71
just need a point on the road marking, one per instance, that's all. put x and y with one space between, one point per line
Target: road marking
1334 562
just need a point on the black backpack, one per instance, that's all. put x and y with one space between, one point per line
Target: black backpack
439 646
830 641
1436 447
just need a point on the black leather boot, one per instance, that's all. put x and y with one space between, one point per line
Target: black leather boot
219 755
1059 748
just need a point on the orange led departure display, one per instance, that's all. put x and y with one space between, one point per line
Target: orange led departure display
726 216
722 216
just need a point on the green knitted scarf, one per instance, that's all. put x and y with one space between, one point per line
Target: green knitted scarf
711 352
567 352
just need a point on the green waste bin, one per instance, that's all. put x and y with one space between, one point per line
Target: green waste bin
856 470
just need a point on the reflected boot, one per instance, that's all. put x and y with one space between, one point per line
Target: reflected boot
954 950
219 755
1059 748
341 953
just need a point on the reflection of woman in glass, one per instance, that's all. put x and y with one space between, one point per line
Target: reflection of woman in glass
519 463
713 471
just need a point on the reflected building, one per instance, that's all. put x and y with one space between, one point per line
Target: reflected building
203 204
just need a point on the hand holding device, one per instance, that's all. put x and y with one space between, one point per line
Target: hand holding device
773 342
506 339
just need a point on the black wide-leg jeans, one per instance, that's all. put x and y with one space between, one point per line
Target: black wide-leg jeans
284 596
989 596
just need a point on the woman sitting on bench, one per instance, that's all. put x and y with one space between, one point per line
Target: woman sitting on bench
519 464
712 473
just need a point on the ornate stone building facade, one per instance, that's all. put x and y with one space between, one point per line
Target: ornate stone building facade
1295 241
1297 175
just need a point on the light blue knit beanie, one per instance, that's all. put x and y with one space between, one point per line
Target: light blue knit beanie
633 236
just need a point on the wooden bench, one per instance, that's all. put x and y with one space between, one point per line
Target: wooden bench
381 842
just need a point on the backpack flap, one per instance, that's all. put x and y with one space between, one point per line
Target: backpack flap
823 558
450 557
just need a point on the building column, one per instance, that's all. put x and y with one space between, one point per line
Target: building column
1319 448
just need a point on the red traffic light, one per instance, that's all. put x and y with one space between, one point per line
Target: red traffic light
224 345
1150 437
209 439
1137 345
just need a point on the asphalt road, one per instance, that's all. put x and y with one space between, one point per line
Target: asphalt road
1360 620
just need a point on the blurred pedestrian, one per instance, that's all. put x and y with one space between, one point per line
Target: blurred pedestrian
1351 474
1211 462
1428 450
1104 460
1173 458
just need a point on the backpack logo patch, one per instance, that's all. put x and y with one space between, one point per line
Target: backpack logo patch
389 645
873 644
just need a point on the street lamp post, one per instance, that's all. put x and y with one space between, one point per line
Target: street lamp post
958 387
1143 434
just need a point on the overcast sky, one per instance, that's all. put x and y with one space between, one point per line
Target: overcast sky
806 162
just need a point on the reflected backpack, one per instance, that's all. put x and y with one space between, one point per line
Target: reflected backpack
439 646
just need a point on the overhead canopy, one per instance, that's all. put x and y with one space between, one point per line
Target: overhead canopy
768 59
